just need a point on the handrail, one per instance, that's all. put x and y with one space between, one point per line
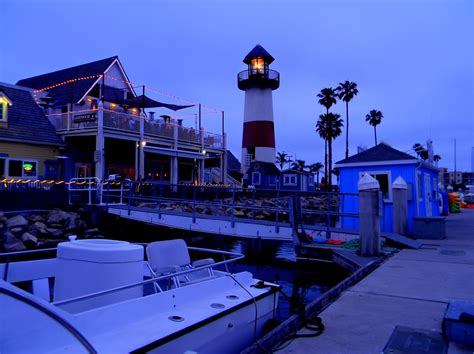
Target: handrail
148 281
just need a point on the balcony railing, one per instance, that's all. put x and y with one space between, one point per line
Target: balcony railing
129 123
121 121
258 78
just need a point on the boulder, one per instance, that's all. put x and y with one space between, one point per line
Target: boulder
17 231
92 232
57 217
35 218
38 227
55 233
29 240
16 221
11 243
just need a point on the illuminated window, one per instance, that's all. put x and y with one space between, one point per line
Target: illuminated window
22 168
258 66
4 104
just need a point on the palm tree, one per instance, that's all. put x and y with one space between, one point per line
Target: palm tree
281 159
346 91
374 118
424 155
436 158
327 97
315 168
299 165
418 149
329 127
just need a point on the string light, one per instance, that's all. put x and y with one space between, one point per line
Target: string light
210 110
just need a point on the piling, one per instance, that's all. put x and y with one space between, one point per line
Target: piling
369 217
400 206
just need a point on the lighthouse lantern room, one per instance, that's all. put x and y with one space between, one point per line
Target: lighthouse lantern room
258 82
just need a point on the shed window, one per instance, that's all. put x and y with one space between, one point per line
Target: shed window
289 180
256 177
383 177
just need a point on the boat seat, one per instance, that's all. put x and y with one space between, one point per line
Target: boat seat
171 256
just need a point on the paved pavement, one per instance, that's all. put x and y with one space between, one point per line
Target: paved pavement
411 289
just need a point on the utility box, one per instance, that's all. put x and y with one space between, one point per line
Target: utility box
89 266
458 322
429 227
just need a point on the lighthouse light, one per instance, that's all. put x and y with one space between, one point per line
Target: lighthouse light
257 65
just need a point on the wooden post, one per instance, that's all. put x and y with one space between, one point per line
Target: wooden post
400 206
369 218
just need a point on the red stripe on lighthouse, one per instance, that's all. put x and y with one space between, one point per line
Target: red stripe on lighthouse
258 133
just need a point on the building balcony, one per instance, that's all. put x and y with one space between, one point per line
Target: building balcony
258 79
123 123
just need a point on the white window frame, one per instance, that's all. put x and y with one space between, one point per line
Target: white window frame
23 160
382 172
287 179
4 104
255 174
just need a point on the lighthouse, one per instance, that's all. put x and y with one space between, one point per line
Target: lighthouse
258 82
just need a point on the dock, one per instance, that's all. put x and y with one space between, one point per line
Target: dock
411 289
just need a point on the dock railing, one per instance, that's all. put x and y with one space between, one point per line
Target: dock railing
319 210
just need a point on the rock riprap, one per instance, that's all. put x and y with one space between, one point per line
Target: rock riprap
30 230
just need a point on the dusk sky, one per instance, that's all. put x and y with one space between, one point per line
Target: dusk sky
413 60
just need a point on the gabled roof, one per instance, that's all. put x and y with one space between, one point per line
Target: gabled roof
266 167
258 51
379 153
290 170
26 120
62 94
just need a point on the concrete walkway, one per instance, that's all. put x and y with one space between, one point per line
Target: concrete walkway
411 289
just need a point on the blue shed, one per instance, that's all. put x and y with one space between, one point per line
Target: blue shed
294 180
263 175
385 164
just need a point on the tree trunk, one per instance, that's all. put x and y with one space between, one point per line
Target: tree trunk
347 130
330 163
375 133
326 160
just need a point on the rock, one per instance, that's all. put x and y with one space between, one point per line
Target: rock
16 221
16 230
80 224
239 213
92 232
55 233
35 218
11 243
29 240
57 217
48 243
38 227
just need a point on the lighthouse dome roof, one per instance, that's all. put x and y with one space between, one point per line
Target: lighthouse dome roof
258 51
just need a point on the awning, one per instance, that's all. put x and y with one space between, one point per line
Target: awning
173 152
143 101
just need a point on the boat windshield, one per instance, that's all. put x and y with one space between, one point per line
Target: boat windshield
30 327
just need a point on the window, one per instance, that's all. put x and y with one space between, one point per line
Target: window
289 180
272 180
22 168
4 103
384 179
256 178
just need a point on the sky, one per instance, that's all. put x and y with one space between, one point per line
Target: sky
411 59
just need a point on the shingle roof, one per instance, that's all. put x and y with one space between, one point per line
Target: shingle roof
267 167
258 51
62 94
233 164
26 120
381 152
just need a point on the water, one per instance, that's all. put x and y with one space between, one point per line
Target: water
274 261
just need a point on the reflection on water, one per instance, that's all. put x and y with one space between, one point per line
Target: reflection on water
274 261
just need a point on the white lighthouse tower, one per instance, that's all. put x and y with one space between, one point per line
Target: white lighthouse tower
258 82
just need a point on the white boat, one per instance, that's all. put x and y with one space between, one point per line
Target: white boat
107 299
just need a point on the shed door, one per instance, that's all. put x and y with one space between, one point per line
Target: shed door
428 198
